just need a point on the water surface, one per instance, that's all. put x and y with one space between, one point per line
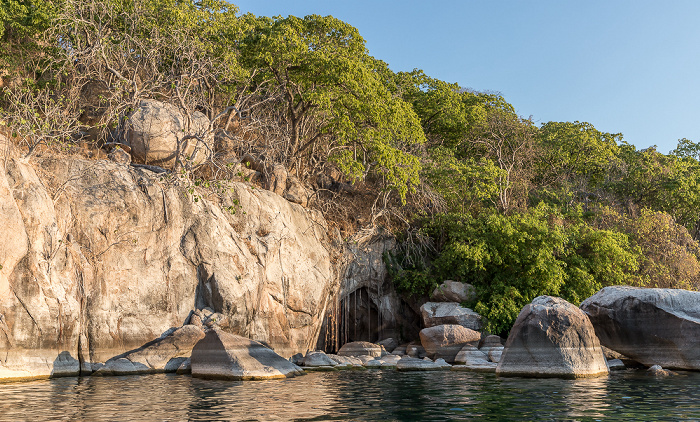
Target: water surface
355 395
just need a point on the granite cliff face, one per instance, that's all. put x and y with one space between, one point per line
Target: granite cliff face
98 258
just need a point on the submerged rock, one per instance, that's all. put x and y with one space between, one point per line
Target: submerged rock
440 313
650 326
222 355
445 341
552 338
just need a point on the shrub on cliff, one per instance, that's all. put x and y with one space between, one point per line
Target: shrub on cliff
511 259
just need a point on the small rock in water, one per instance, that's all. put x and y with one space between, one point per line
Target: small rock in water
616 365
658 371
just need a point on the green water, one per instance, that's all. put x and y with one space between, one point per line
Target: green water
356 395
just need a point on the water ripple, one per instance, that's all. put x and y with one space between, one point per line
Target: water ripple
355 395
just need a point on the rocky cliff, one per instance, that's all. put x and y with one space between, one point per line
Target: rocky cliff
98 258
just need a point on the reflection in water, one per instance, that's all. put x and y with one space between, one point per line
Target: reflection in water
355 395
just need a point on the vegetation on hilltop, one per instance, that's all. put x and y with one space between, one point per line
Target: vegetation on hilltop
474 191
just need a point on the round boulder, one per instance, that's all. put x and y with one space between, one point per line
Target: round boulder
445 341
155 128
552 338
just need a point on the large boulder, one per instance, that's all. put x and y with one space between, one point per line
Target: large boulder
221 355
155 128
445 341
360 348
650 326
453 291
552 338
440 313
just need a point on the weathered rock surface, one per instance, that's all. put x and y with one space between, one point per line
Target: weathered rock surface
453 291
360 348
552 338
228 356
445 341
440 313
650 326
155 128
98 259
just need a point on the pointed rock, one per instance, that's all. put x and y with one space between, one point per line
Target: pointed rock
221 355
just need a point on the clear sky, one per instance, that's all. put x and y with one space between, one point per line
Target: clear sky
629 66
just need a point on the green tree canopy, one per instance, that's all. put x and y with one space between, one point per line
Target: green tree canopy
335 101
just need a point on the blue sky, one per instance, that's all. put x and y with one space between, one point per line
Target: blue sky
624 66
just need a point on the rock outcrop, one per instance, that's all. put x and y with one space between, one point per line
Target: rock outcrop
440 313
228 356
552 338
99 258
650 326
445 341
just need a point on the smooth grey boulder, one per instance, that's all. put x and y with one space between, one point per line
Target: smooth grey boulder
220 355
360 348
445 341
440 313
650 326
552 338
453 291
318 359
121 366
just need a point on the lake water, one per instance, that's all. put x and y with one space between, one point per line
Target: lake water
355 395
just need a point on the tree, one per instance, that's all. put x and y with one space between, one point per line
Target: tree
576 154
334 100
